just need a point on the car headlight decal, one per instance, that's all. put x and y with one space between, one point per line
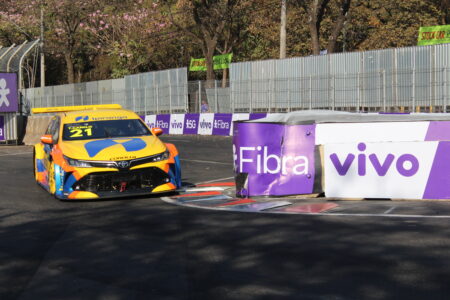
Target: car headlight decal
77 163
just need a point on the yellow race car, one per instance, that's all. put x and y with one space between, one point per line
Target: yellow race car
103 151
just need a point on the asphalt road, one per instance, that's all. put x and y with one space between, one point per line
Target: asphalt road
146 249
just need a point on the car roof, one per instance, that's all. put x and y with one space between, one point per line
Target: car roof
97 115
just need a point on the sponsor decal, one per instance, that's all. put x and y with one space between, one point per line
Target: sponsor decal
108 118
279 159
378 170
176 124
81 118
163 121
221 124
129 144
205 124
191 123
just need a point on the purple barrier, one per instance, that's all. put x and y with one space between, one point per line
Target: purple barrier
2 128
274 159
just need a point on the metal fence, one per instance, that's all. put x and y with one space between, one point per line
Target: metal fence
405 79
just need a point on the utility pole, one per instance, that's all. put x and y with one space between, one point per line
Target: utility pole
283 30
41 46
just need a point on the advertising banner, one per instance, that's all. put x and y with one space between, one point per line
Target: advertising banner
150 120
176 124
274 159
191 123
162 121
205 124
406 170
220 62
222 124
2 128
433 35
9 97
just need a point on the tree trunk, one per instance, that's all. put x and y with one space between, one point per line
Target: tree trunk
70 68
314 26
224 78
339 24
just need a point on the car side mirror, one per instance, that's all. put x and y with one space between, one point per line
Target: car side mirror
47 139
157 131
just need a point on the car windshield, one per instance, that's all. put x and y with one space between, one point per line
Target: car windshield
104 129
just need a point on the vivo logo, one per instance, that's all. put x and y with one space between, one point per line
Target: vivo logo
191 124
407 164
220 124
162 124
176 125
298 165
205 124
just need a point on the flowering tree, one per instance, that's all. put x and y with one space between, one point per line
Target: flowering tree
125 32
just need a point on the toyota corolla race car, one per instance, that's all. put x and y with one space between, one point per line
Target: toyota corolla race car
103 151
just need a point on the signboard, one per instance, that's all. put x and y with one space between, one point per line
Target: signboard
220 62
276 159
2 128
386 170
176 124
433 35
9 101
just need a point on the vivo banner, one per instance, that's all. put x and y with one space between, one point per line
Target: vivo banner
2 128
203 124
274 159
408 170
8 92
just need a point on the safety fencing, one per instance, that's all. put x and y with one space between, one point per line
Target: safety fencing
404 79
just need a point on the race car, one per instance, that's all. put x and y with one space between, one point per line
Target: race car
103 151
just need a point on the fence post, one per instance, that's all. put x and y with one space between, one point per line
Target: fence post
446 93
101 97
145 101
358 102
157 99
289 94
64 98
199 96
73 99
170 98
383 73
92 98
310 92
414 90
231 99
216 97
82 98
334 92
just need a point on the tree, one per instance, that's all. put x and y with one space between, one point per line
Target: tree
205 22
316 15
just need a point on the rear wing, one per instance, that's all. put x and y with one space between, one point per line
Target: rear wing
57 109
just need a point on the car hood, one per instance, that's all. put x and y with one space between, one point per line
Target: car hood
113 148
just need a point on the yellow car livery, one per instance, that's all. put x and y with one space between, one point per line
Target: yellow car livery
102 151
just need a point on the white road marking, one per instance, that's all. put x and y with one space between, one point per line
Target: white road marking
204 189
20 153
215 180
390 210
206 161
